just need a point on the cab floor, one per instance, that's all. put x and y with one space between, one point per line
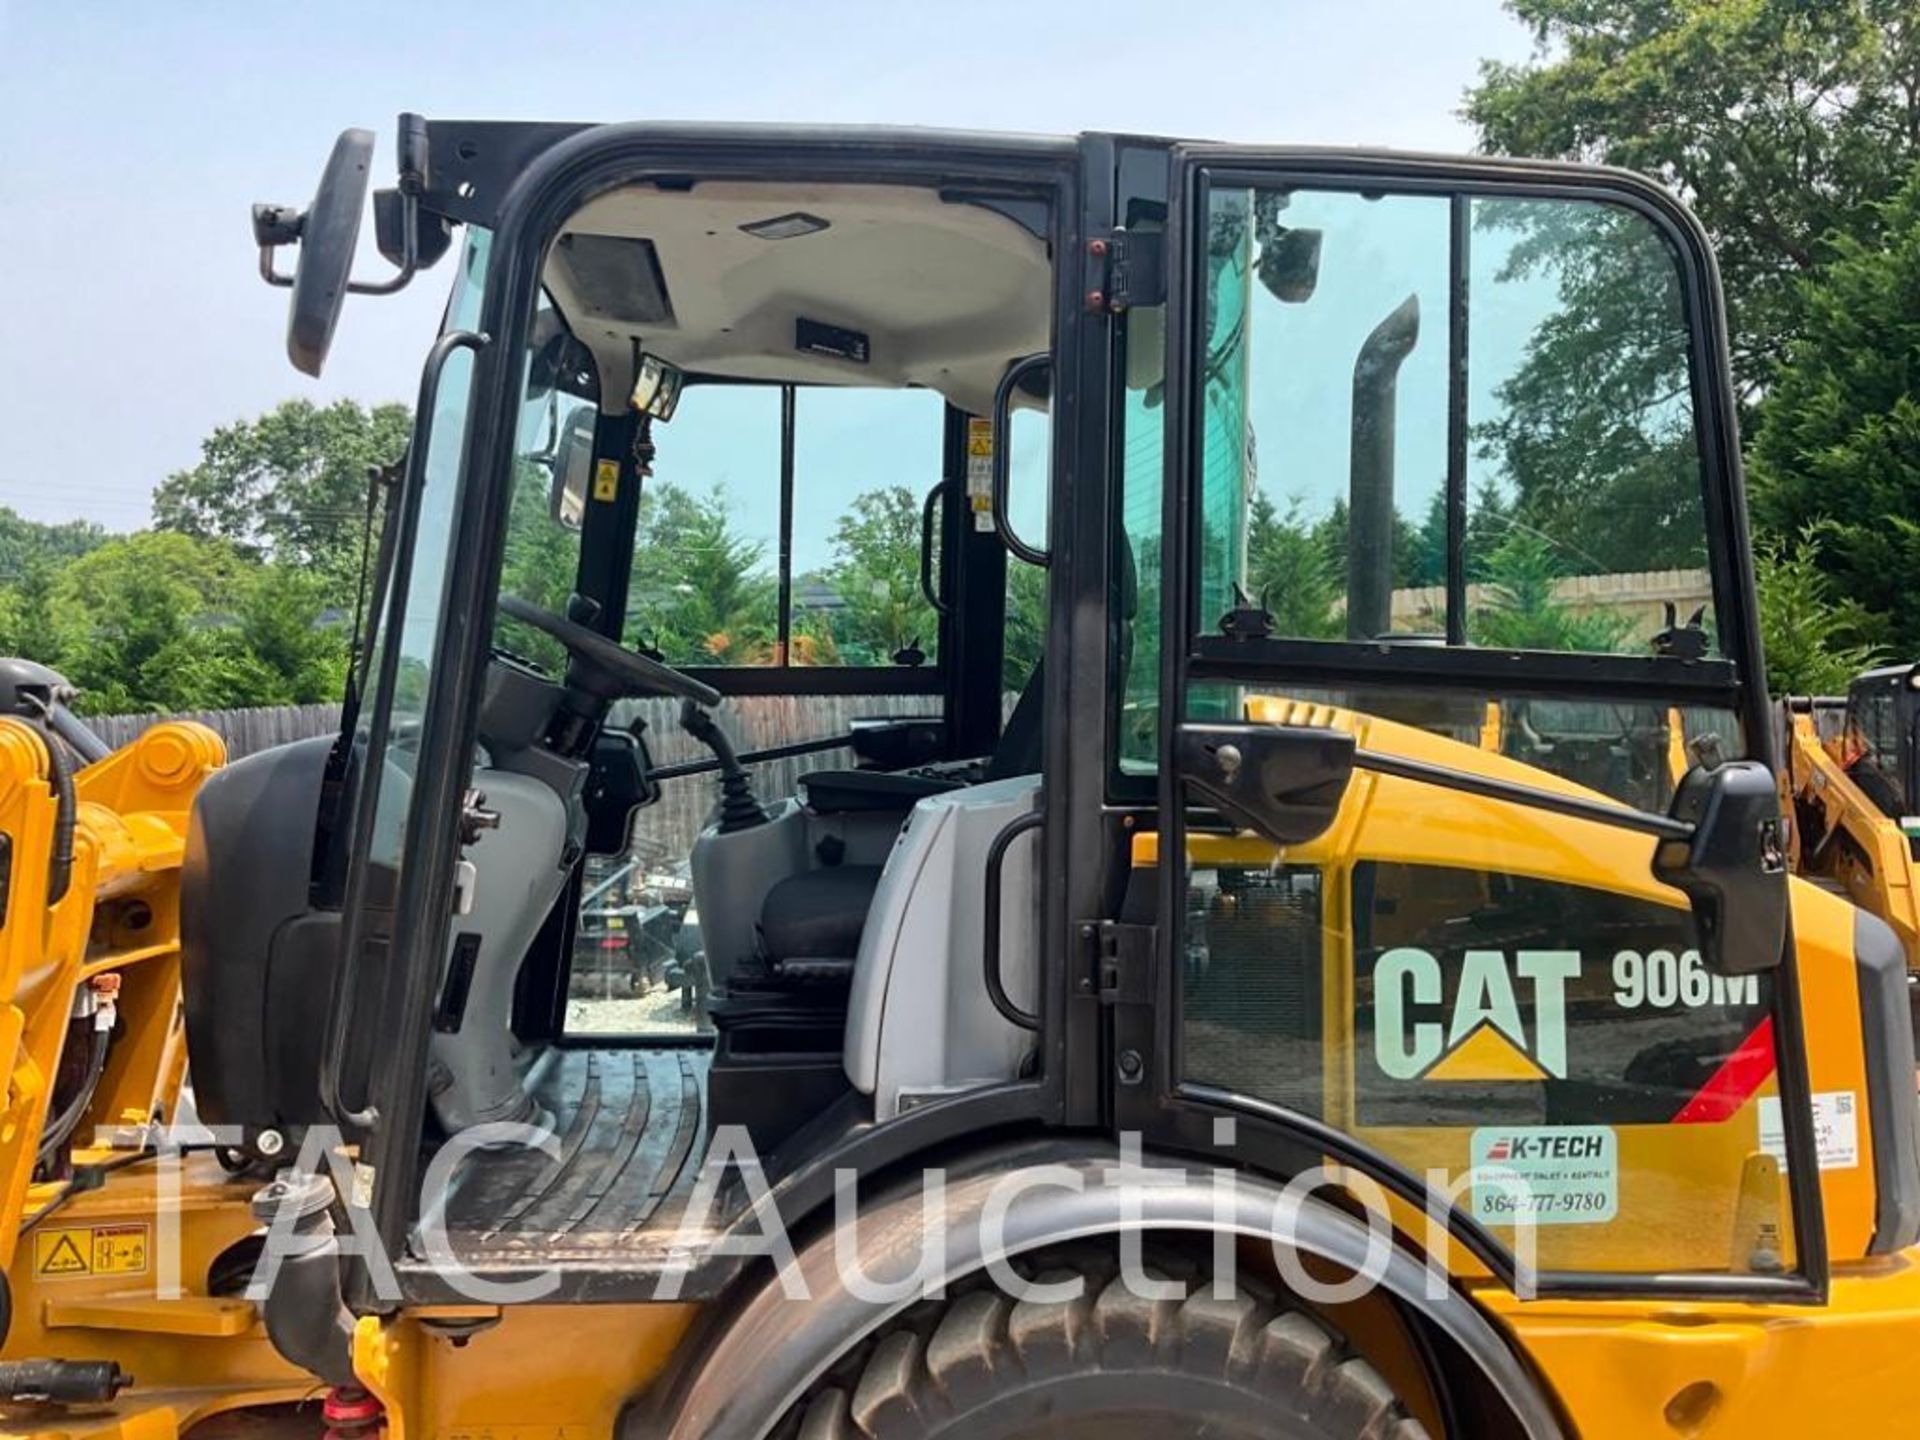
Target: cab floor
631 1135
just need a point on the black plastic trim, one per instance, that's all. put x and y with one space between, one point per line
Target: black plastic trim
1333 663
1893 1114
819 679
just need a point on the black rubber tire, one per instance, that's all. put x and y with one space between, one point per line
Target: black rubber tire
1108 1366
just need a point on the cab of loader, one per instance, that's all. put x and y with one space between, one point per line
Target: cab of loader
887 645
1882 732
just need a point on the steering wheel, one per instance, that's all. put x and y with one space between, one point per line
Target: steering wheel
603 669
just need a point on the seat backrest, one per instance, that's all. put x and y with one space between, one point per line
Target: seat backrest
1019 750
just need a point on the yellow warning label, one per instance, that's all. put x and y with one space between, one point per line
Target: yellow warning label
606 480
979 438
72 1254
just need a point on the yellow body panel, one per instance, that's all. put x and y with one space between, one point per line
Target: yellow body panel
1632 1371
534 1372
192 1354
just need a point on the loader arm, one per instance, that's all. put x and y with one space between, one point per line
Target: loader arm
1842 838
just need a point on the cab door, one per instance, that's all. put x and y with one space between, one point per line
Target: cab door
1450 479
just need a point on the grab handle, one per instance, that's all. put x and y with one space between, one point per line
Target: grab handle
1003 457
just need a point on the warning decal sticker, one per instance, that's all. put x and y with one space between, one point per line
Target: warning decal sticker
606 480
74 1253
1836 1129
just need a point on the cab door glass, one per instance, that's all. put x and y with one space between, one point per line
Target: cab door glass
1550 1051
1400 432
1029 477
1416 405
416 637
1585 524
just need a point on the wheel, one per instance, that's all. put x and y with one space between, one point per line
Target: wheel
1109 1365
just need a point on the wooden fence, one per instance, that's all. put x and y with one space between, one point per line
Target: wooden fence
245 731
662 832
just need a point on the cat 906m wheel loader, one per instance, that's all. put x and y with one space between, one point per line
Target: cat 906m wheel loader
959 592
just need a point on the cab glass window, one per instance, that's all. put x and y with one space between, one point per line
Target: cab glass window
781 527
1463 420
554 433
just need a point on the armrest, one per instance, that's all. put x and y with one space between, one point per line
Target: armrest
846 792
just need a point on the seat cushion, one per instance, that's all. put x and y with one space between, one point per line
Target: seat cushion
818 915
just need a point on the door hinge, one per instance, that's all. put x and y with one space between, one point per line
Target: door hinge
1126 268
1123 961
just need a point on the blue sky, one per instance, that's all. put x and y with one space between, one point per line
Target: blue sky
136 136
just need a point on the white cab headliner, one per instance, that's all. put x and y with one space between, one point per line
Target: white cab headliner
949 294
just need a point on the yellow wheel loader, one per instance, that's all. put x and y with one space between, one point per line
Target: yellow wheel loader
1852 782
1105 1000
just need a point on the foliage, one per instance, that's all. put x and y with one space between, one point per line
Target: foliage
1781 122
290 486
875 577
701 594
1596 421
540 565
1026 628
1815 641
1838 448
165 621
1296 571
1522 611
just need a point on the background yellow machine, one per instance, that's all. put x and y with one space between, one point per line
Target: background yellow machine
1853 783
1246 922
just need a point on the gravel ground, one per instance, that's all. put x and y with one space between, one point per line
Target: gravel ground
657 1012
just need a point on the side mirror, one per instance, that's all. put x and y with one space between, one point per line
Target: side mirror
328 231
1286 781
1733 868
1290 265
572 462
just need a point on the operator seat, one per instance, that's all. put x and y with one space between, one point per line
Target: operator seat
810 923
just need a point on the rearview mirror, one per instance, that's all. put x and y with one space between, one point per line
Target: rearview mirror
1286 781
329 232
572 462
656 387
1733 868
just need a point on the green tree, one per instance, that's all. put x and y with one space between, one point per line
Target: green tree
1837 451
1815 640
1596 419
875 574
1523 612
1781 122
31 555
1026 629
1295 570
290 485
163 621
298 637
540 565
28 545
701 593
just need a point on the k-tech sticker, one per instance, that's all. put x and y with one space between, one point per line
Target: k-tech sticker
1545 1174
